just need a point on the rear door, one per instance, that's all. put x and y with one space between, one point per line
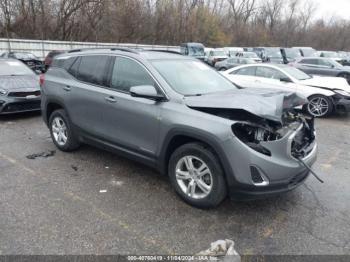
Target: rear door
86 95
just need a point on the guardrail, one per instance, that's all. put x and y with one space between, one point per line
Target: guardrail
41 48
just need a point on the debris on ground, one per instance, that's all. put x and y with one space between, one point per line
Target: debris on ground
223 250
103 191
42 154
75 168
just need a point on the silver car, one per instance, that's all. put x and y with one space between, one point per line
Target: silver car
181 117
19 88
233 62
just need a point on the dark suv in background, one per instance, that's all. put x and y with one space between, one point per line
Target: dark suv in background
181 117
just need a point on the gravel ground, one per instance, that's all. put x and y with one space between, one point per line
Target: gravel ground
94 202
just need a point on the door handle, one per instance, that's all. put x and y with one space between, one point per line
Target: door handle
110 99
66 88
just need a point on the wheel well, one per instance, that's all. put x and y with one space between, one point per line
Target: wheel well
51 107
178 141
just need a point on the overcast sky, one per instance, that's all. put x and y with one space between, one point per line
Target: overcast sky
326 8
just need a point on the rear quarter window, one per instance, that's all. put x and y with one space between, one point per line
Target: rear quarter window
94 69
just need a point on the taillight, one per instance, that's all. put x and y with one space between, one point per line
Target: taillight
41 79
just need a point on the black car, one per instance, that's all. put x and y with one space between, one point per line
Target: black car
19 88
29 59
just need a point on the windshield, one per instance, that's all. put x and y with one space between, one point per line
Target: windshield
296 73
25 56
14 68
196 51
309 52
273 52
335 63
292 53
189 77
330 54
219 53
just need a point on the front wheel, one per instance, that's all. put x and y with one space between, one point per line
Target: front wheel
197 175
319 106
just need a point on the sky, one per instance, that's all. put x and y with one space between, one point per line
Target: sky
326 8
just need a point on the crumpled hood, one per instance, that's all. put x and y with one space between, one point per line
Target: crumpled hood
327 82
266 103
19 82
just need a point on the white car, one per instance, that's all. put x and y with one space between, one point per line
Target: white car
216 55
325 94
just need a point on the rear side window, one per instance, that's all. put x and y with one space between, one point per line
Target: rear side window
94 70
246 71
128 73
267 72
309 61
64 63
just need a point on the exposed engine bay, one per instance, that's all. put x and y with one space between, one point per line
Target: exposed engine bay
252 130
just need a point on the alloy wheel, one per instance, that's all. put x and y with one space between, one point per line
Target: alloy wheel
318 106
59 131
194 177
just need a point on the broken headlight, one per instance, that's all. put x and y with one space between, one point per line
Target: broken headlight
252 135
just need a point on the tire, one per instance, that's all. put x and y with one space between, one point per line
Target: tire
198 154
222 69
319 106
71 142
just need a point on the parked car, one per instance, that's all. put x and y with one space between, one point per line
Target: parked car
322 66
195 50
216 55
50 56
307 51
19 88
345 58
233 62
231 49
290 55
331 55
206 53
269 54
183 118
325 94
250 55
29 59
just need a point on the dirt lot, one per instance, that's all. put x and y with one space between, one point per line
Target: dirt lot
93 202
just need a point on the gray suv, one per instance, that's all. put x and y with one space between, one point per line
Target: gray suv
181 117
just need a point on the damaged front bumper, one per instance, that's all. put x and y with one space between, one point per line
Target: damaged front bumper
258 175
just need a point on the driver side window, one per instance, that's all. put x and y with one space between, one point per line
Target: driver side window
128 73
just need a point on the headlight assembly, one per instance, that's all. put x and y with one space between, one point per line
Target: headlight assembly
341 92
3 92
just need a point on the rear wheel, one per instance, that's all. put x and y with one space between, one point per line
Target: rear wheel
197 176
319 106
61 131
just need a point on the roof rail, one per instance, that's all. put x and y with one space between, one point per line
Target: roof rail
164 51
124 49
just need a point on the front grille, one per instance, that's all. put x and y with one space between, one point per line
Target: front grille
19 107
24 94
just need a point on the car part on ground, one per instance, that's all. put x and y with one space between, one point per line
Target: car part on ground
325 94
19 88
213 138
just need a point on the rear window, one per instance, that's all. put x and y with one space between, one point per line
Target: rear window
14 68
93 69
64 62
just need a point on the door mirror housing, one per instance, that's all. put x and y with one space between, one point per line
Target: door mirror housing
286 80
146 91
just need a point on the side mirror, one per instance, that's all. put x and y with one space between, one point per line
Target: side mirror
146 91
285 79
